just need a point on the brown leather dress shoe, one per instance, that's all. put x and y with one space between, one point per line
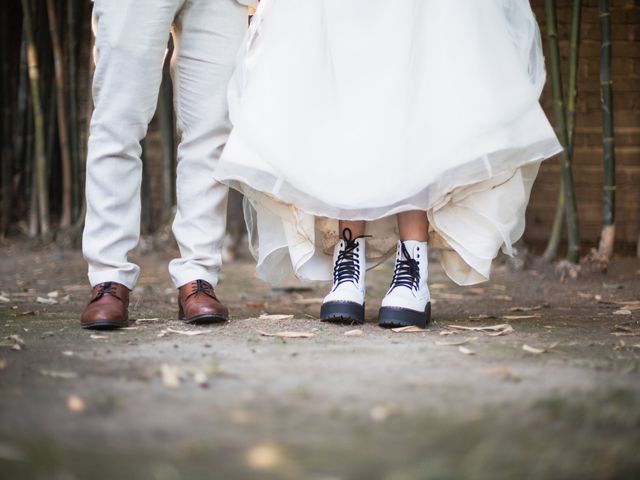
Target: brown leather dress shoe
108 307
199 304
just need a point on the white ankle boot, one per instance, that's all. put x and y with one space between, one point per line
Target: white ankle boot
345 301
407 301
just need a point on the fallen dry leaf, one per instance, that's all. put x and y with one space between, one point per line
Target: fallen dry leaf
76 404
476 290
622 328
481 316
287 334
489 330
525 309
59 374
456 343
54 294
504 298
17 342
275 318
500 371
189 333
466 351
94 336
624 331
630 304
445 333
409 329
353 333
46 301
171 376
201 379
622 311
264 457
521 317
380 412
534 350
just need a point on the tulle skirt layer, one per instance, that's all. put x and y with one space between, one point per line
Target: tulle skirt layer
367 108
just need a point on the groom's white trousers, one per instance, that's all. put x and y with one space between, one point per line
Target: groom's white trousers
131 40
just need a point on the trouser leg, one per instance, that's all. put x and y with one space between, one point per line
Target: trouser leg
131 39
207 36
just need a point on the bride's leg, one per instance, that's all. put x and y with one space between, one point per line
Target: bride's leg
357 227
345 301
407 301
413 225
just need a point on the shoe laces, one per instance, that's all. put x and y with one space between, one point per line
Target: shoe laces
106 288
347 266
406 272
201 286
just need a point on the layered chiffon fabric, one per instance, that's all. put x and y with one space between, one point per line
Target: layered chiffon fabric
362 109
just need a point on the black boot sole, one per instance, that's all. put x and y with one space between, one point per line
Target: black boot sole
205 319
342 312
395 317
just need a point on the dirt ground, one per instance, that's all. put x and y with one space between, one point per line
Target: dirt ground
557 397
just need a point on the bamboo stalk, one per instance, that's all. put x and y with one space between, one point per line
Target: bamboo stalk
73 103
63 133
73 106
7 130
40 158
574 55
551 251
31 178
571 211
607 236
572 88
85 105
22 122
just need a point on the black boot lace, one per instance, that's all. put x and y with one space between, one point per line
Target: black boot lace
407 271
347 266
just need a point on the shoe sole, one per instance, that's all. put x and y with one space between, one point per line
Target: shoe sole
342 312
107 325
394 317
205 319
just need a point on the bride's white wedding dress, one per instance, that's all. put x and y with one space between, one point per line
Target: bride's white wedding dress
360 109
